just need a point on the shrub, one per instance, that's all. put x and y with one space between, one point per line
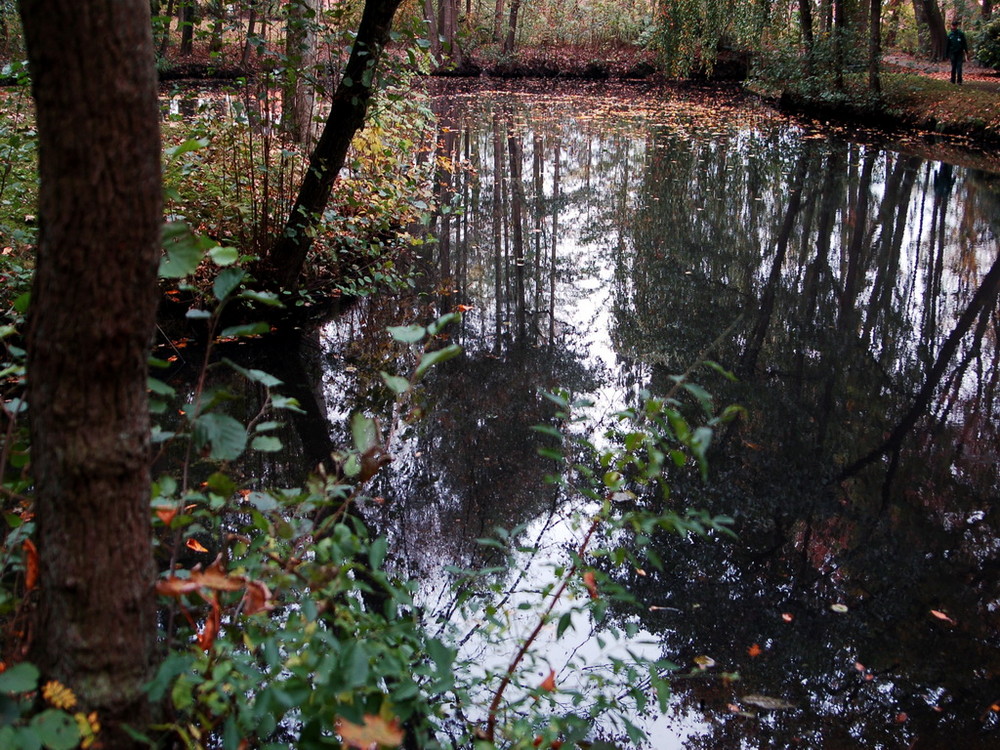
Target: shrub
988 46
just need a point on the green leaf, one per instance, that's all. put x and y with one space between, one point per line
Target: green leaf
266 444
364 432
183 251
21 302
19 679
286 402
396 384
437 357
265 298
257 376
407 334
56 729
192 144
438 325
224 256
376 553
159 387
223 436
227 280
565 621
247 329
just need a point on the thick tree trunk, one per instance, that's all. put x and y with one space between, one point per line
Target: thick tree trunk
92 317
433 35
931 32
347 116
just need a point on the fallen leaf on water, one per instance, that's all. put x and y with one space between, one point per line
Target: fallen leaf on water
704 662
901 717
787 616
839 608
767 702
942 616
754 651
374 731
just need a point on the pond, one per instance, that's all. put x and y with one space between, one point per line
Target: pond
603 240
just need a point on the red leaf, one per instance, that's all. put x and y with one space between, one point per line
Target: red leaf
590 581
211 627
30 565
549 683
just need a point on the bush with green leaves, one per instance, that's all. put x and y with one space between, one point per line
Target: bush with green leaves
282 622
987 46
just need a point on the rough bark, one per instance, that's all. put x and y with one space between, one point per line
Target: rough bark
347 116
91 320
931 32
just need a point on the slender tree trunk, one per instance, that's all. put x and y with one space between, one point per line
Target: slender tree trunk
508 43
987 9
498 21
300 54
92 317
875 46
806 24
433 34
251 31
186 14
347 116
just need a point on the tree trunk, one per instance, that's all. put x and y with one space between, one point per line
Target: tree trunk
987 9
300 53
806 24
875 46
498 21
508 42
931 32
91 320
186 14
433 35
347 116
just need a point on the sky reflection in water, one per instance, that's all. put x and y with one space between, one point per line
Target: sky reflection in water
605 240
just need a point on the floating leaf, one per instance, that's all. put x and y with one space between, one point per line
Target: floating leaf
839 608
704 662
754 651
19 679
767 702
942 616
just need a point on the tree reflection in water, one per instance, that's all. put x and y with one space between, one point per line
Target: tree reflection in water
603 243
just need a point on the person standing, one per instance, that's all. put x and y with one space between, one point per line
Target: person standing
957 51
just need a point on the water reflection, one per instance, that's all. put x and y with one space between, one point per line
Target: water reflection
606 243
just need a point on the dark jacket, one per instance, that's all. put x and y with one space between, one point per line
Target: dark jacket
957 44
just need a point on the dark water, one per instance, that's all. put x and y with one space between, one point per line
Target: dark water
605 240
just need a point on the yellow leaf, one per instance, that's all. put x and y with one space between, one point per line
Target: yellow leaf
195 545
374 731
